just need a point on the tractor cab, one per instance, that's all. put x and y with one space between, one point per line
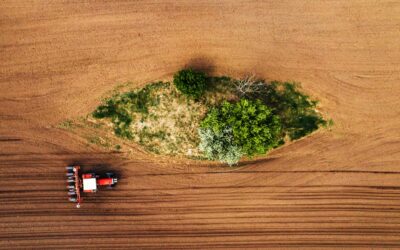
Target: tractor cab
89 183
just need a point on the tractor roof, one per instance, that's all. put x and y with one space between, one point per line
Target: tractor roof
89 184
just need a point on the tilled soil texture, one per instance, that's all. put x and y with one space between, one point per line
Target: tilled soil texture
333 188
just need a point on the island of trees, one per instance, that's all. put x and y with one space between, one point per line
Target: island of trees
208 117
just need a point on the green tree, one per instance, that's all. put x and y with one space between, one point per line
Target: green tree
191 83
297 111
255 129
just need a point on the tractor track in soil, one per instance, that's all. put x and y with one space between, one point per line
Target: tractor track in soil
337 188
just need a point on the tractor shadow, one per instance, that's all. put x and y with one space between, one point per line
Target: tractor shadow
101 169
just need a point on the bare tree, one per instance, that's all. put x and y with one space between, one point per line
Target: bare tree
248 85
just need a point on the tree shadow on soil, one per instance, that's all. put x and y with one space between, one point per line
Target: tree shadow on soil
202 64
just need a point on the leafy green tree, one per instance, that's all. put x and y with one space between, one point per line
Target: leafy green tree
191 83
255 129
296 110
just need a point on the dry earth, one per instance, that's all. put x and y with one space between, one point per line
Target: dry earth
333 189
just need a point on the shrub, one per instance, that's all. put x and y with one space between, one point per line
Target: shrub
191 83
254 128
219 145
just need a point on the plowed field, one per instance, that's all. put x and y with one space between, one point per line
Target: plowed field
332 189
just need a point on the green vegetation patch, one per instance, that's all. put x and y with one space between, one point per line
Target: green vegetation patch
121 108
217 118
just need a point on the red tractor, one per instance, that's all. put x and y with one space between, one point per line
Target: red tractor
86 183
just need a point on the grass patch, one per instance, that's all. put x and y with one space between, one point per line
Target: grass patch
157 117
122 107
67 124
99 141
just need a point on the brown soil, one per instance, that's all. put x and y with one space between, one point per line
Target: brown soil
334 188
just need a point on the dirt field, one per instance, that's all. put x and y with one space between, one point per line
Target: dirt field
334 188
